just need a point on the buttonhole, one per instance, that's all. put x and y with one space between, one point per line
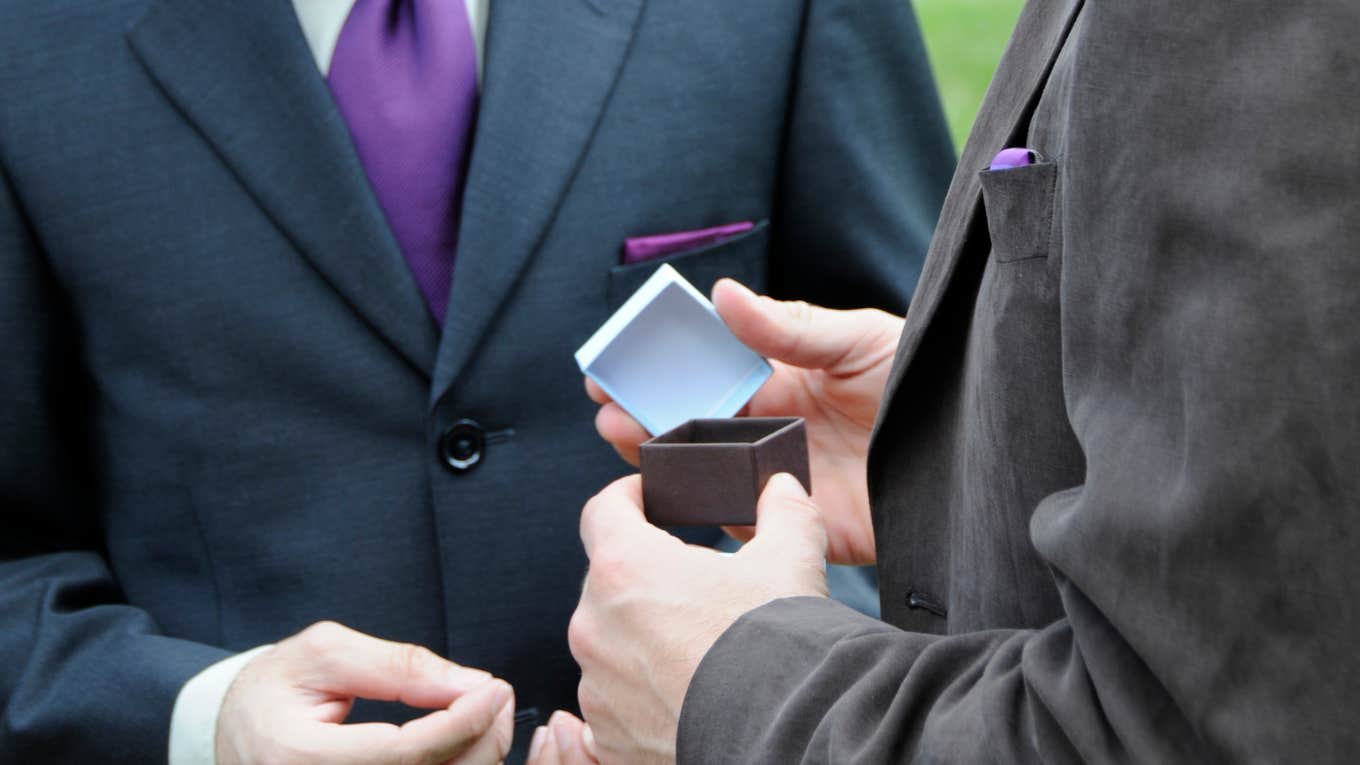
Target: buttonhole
924 602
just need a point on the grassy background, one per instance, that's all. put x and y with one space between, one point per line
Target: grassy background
965 39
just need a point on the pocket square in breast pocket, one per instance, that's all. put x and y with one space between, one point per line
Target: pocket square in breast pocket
1019 203
641 249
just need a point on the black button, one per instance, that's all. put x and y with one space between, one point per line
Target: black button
461 446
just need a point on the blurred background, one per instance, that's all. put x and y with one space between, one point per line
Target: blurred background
965 39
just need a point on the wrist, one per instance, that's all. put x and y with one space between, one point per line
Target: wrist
194 721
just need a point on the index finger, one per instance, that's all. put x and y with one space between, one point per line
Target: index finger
338 660
434 738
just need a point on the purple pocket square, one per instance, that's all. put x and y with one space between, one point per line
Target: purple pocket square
1009 159
640 249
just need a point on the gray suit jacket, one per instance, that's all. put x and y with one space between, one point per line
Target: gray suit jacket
1116 478
223 404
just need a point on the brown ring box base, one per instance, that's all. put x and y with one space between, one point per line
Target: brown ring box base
711 472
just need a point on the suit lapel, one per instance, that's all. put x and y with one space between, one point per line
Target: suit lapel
242 74
550 67
1038 39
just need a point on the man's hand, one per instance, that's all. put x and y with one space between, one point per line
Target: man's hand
653 606
830 368
288 703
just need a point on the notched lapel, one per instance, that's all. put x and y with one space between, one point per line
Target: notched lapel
1038 39
550 68
242 74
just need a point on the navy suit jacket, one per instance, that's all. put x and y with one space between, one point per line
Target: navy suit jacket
223 398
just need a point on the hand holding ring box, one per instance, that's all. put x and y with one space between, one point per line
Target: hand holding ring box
668 359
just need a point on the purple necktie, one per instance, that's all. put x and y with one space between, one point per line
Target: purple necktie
404 75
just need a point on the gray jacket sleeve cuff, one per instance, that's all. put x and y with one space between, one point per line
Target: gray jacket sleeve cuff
741 695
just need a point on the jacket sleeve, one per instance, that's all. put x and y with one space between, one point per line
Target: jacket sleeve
866 159
1207 562
84 677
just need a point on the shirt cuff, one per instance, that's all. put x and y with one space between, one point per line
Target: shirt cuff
193 724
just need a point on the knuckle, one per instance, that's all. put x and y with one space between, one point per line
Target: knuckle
611 493
580 635
592 509
610 572
600 504
800 320
322 638
323 630
587 701
409 660
801 311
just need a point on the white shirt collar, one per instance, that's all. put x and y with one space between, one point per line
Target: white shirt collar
322 20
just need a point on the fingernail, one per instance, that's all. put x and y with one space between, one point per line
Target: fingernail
536 745
714 292
561 726
784 483
501 693
465 679
738 286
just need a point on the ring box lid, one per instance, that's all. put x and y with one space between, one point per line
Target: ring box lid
710 472
667 357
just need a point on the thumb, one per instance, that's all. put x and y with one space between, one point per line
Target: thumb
787 520
798 333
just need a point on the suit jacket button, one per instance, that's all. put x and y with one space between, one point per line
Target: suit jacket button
462 445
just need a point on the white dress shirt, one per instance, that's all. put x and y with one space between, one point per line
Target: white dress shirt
193 724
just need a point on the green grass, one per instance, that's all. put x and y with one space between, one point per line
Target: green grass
965 39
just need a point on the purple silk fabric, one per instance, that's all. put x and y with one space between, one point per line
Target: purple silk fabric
404 76
1008 159
643 248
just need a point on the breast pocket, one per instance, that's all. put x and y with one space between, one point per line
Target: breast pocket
1013 393
744 257
1019 204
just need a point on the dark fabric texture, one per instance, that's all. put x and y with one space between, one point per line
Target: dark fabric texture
1119 447
222 395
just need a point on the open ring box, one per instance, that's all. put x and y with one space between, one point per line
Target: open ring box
668 359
